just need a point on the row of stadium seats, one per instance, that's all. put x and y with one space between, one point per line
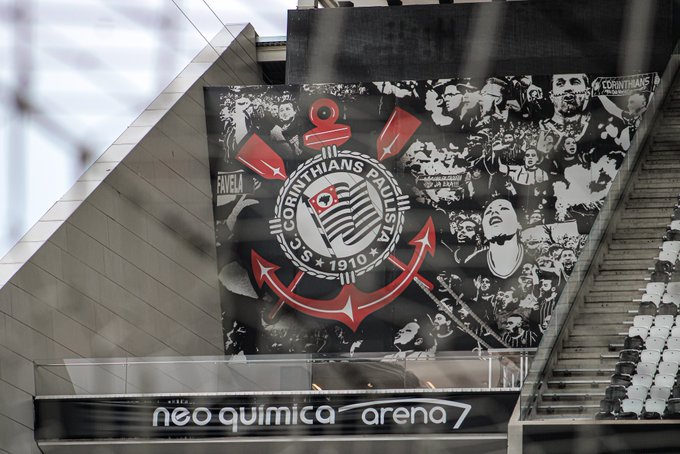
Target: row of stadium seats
646 379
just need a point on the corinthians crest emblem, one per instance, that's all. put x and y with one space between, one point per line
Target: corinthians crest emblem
339 215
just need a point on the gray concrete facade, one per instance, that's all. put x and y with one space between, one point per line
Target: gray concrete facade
124 264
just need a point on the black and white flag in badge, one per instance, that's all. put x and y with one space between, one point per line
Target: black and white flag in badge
409 217
344 211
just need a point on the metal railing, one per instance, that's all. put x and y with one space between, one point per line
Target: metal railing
494 369
597 239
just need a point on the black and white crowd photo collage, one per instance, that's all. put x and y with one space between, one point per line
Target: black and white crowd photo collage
409 218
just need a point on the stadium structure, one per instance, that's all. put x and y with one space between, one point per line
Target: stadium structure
406 226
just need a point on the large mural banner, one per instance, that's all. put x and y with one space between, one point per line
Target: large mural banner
409 217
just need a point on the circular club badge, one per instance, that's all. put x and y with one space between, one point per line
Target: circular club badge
339 215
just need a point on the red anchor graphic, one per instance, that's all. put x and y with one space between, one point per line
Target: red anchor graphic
351 305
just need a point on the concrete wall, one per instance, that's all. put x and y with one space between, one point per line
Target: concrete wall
479 39
124 264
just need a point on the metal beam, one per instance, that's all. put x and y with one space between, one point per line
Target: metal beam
271 49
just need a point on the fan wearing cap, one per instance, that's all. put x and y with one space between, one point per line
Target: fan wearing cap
469 113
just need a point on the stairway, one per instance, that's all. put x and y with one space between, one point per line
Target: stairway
578 380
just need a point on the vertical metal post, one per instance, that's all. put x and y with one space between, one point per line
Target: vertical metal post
488 360
16 171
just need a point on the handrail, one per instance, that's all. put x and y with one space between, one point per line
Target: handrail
504 367
265 359
576 284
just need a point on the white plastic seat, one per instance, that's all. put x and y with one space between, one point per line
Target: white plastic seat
660 392
671 246
673 288
652 297
668 256
674 225
666 321
655 406
668 368
671 356
655 343
671 299
650 356
674 342
646 368
632 406
675 331
638 331
637 392
655 288
664 380
645 381
661 332
643 321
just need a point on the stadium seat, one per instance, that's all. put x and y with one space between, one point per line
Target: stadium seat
662 380
666 321
673 288
668 256
636 392
669 298
635 342
629 355
652 298
650 356
646 368
626 368
643 380
610 406
634 331
660 392
663 266
644 321
615 392
655 288
655 343
647 308
671 246
661 332
674 342
602 416
654 409
667 309
675 331
658 276
620 380
668 368
631 409
671 356
672 409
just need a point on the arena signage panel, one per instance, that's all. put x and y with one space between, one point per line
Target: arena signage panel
263 415
409 217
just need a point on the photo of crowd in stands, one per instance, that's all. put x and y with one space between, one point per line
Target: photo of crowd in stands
413 217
